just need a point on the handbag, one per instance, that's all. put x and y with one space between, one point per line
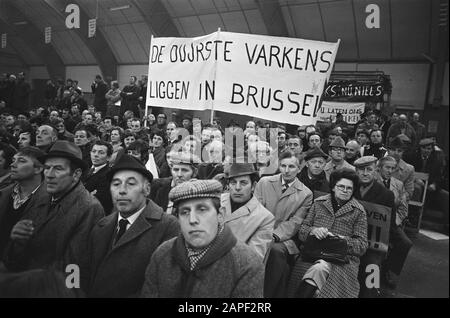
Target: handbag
331 249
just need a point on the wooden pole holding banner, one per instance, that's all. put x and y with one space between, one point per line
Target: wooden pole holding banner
146 107
215 70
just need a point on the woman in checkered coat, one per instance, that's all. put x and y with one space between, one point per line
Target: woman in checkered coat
338 214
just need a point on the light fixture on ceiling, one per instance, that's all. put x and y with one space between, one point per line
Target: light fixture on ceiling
120 8
20 23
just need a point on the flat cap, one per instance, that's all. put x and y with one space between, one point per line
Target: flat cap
397 142
196 189
425 142
365 161
338 142
314 153
185 158
404 138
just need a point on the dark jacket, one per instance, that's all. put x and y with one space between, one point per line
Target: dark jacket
118 271
130 101
229 269
99 90
374 150
159 193
61 232
98 182
208 171
316 184
434 165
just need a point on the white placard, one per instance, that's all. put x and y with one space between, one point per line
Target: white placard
274 78
48 35
92 27
351 112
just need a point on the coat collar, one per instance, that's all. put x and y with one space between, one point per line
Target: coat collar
141 225
346 208
276 183
244 210
223 243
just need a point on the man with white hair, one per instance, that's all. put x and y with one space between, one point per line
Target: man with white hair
46 136
352 151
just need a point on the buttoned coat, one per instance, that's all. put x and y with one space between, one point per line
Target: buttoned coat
401 204
98 184
61 233
329 168
405 173
252 223
118 270
348 221
289 208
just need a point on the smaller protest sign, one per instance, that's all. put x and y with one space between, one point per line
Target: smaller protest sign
351 112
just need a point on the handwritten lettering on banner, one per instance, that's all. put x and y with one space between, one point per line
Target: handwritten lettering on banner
378 224
351 112
274 78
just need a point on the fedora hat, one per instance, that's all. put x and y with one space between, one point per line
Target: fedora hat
241 169
338 142
127 162
68 150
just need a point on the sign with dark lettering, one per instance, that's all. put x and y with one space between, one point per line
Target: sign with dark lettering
378 224
354 91
351 112
274 78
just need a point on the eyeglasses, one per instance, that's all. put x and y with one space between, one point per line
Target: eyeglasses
338 149
344 188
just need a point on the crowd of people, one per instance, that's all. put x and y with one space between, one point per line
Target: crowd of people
150 208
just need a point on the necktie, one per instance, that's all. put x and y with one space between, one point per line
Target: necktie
386 183
91 172
285 187
122 228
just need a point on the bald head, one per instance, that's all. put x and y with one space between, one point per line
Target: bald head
352 149
416 117
403 118
45 136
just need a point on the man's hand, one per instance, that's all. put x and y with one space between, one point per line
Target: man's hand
23 230
319 232
432 187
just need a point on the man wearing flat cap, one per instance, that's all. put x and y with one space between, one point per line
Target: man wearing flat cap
337 154
313 174
403 171
371 190
183 167
248 219
55 233
122 243
205 260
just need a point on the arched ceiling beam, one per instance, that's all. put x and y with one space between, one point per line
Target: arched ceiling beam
35 37
97 44
273 17
157 18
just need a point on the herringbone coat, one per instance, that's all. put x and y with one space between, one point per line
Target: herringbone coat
350 222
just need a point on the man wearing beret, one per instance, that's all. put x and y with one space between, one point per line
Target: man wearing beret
122 243
183 167
289 200
55 233
404 171
206 259
337 154
313 175
248 219
371 190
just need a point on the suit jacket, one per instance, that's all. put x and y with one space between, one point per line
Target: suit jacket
98 182
289 208
118 271
159 193
405 173
252 223
401 203
61 232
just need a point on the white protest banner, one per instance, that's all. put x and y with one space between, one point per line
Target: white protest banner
181 71
351 112
48 35
274 78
